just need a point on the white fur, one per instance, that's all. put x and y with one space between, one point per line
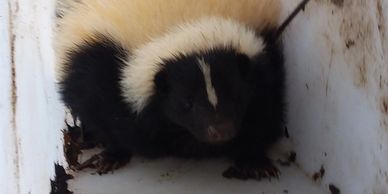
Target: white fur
211 92
133 23
203 35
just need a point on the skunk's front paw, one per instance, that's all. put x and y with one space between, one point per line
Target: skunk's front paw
105 162
252 170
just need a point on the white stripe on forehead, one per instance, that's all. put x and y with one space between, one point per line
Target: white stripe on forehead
137 76
211 92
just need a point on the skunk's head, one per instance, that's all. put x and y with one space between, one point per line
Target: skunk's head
199 74
205 93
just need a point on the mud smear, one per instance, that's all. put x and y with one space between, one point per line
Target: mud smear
349 43
319 175
384 105
381 20
327 86
307 86
362 78
12 11
71 149
74 144
338 3
59 184
291 159
333 189
381 82
357 30
384 111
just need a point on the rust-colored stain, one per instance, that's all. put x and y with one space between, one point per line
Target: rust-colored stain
13 79
380 15
13 68
349 43
12 13
381 21
361 75
338 3
384 111
357 30
327 85
334 189
384 105
319 175
380 9
381 82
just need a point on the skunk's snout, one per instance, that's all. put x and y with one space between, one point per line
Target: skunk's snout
221 132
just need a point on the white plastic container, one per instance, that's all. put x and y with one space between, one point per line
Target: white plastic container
337 72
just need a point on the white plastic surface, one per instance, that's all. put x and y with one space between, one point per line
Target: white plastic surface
337 71
337 92
171 176
31 116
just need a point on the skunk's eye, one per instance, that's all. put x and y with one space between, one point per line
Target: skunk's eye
187 105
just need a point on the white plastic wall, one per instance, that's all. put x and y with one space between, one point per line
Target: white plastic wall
337 68
337 60
31 117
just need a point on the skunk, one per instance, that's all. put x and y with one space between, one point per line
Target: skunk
181 78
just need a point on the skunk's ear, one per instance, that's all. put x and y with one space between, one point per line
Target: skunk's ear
161 82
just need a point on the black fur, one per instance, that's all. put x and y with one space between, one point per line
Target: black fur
250 99
91 90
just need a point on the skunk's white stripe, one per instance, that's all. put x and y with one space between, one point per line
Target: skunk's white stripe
197 37
211 92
